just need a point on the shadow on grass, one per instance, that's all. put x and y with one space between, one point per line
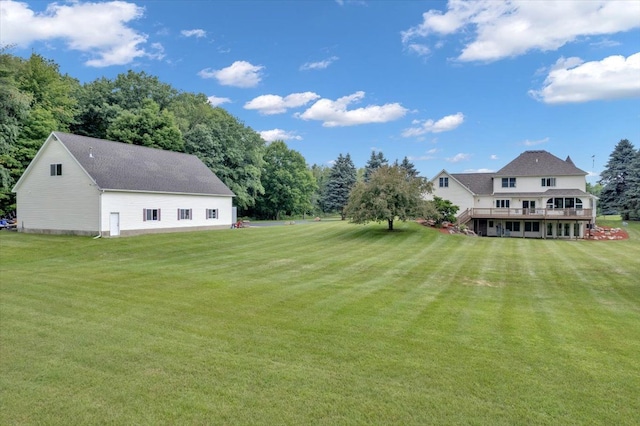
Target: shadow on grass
377 231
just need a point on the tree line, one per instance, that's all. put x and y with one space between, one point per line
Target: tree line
269 180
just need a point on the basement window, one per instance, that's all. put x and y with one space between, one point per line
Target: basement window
532 227
513 226
56 169
212 214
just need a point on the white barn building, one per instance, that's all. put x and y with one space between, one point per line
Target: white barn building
87 186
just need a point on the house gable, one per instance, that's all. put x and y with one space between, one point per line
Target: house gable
447 187
55 193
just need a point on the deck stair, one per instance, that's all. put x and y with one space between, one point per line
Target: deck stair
464 217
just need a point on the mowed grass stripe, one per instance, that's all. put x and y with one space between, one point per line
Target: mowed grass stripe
316 323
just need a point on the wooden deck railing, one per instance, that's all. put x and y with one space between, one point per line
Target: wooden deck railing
528 214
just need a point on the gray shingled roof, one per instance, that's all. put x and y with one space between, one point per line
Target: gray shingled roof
121 166
539 163
478 183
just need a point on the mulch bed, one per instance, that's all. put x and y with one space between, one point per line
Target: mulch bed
599 233
603 233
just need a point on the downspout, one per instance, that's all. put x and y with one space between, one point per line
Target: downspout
99 215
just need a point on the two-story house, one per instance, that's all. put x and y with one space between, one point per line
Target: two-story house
537 195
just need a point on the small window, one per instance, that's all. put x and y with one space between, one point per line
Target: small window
212 214
56 169
184 214
150 214
532 227
548 182
512 226
490 224
502 204
509 182
444 182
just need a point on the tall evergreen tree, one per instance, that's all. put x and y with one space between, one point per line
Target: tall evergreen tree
321 175
632 196
615 179
341 181
408 167
375 161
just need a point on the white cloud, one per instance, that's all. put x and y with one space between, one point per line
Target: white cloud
318 65
279 134
97 29
274 104
606 43
458 157
197 33
534 143
513 27
445 124
215 100
613 77
493 157
419 49
239 74
335 113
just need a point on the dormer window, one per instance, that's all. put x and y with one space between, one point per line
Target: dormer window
509 182
56 169
548 181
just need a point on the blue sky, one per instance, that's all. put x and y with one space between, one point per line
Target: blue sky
455 85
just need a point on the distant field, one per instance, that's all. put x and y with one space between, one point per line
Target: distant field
324 323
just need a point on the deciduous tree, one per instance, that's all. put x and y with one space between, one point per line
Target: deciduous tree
288 183
147 126
389 194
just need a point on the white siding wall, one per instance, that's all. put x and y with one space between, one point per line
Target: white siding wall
46 203
130 207
484 202
533 184
455 193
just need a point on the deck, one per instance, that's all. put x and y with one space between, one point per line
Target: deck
526 214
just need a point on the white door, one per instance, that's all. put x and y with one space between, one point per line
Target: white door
114 224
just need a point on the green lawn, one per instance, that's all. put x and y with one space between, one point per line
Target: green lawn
320 323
